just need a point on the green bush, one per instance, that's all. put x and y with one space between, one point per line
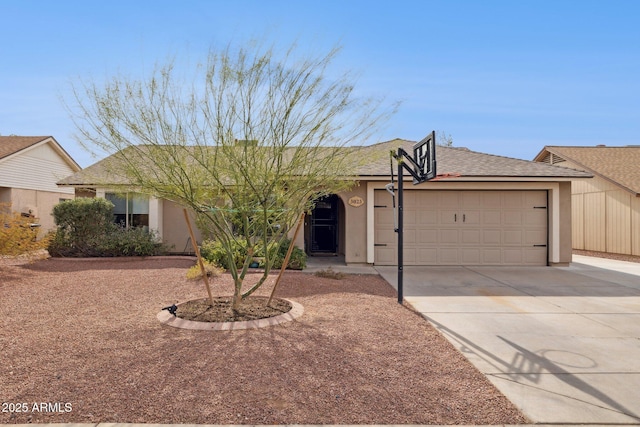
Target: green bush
86 229
212 251
128 242
297 261
82 224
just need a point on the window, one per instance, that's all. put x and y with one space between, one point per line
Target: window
130 209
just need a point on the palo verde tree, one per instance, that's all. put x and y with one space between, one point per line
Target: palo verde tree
248 142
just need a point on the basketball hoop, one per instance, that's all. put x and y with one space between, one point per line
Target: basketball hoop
422 167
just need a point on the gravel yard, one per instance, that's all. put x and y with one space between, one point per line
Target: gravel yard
82 338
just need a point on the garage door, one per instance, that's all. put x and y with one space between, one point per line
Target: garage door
464 228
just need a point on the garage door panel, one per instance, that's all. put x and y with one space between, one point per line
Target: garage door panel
512 256
386 255
513 218
535 256
470 217
385 236
409 236
512 237
448 256
491 198
491 217
384 217
535 198
448 236
428 236
535 217
512 200
470 199
491 237
410 256
470 256
464 228
448 216
409 218
428 256
409 200
448 199
535 237
492 256
428 218
470 236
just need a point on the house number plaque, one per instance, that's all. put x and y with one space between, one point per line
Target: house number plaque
356 201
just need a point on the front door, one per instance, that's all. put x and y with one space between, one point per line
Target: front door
324 226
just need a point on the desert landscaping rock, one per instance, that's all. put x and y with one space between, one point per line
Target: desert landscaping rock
86 334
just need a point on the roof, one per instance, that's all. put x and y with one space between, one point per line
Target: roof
12 145
454 162
618 165
461 162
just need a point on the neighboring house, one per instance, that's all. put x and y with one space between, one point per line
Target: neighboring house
30 166
606 209
481 210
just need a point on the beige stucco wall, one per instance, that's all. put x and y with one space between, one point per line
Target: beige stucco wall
175 232
40 202
565 230
354 232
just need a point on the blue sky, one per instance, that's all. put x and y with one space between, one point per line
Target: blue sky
501 77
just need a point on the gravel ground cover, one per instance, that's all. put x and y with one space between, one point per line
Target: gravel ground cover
80 342
619 257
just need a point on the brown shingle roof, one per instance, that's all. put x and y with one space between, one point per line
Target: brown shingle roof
12 144
376 163
620 165
465 163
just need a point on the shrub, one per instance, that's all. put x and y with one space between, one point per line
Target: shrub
329 273
128 242
86 229
16 235
82 224
211 269
212 251
297 260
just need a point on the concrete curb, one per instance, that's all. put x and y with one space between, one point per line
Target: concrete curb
168 319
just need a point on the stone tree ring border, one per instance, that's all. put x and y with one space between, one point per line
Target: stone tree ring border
168 319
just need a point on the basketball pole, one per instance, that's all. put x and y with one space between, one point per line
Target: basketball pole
400 228
422 168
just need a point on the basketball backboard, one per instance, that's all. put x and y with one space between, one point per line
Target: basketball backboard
424 156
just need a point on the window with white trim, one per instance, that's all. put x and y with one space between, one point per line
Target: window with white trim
130 209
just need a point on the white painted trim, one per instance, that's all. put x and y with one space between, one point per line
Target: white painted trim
370 223
155 215
554 234
480 179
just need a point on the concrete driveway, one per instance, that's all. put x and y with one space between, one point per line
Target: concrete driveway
562 343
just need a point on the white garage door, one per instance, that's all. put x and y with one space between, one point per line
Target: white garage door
464 228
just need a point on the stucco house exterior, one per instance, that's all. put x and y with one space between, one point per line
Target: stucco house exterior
30 167
481 210
605 209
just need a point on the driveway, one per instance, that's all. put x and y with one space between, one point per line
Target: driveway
562 343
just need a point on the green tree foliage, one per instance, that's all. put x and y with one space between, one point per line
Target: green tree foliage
247 142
